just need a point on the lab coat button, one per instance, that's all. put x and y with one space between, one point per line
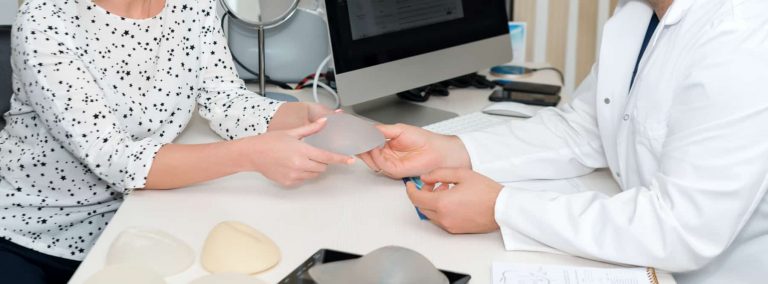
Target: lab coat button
607 101
626 117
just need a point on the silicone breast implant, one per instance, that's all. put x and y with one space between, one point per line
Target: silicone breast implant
233 247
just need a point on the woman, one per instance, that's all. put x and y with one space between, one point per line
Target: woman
101 90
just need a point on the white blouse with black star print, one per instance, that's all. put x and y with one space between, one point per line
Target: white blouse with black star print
95 97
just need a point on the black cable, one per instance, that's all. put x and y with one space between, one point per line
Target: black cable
562 78
282 85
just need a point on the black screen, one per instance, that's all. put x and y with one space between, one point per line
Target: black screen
366 33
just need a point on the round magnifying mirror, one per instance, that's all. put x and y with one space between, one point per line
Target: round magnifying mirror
261 15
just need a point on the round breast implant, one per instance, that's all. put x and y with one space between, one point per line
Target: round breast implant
125 274
387 265
153 249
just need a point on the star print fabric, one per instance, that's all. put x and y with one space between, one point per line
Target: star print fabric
95 97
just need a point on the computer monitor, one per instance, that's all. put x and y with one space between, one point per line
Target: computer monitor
382 47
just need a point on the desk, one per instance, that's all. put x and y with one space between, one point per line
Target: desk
349 208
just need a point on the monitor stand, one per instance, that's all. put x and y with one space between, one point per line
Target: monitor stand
392 109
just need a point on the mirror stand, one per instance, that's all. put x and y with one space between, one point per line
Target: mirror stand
243 11
262 72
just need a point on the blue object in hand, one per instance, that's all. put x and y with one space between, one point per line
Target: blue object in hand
419 184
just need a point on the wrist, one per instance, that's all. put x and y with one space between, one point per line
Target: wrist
454 152
239 153
289 115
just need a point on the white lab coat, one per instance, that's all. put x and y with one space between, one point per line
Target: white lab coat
687 146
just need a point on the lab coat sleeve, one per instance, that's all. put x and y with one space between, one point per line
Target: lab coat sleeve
232 110
69 102
712 174
556 143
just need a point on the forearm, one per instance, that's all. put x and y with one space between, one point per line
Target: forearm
634 227
179 165
542 147
288 116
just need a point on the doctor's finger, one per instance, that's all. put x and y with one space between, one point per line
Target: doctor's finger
441 187
431 214
447 175
391 131
383 162
366 157
421 199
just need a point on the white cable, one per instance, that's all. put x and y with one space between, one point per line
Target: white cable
330 90
317 77
317 82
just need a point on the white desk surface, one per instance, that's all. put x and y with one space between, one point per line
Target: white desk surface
349 209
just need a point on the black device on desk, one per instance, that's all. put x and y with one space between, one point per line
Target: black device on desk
528 93
301 274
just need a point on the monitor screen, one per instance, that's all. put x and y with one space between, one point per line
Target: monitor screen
366 33
376 17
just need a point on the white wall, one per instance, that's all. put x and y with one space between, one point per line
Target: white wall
8 12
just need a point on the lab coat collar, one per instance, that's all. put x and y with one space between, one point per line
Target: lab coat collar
622 38
676 12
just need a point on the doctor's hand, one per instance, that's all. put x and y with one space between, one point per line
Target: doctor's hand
411 151
282 157
458 200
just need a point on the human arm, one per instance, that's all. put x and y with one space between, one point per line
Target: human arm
711 177
233 110
556 143
62 90
412 151
289 165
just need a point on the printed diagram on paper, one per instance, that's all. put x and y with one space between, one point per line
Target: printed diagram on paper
508 273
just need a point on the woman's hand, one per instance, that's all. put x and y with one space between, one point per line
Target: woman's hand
317 111
281 156
293 115
412 151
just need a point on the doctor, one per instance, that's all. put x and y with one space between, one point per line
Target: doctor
679 116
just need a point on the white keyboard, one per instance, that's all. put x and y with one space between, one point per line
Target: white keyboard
466 123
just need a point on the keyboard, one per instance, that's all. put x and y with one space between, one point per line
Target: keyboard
467 123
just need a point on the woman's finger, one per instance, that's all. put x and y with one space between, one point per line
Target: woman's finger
328 158
314 166
308 176
309 129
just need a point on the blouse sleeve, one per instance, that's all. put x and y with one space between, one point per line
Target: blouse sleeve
233 111
61 89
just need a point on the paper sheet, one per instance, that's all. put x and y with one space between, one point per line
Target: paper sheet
510 273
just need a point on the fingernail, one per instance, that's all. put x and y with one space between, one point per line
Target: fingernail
351 161
322 119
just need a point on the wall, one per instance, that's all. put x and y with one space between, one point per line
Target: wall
8 11
564 33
